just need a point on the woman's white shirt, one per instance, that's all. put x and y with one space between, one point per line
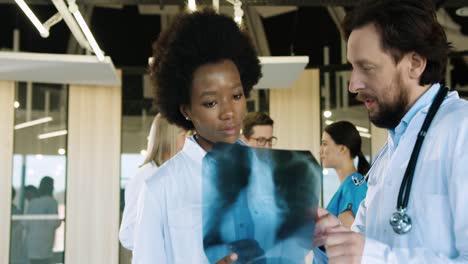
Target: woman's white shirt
132 197
169 228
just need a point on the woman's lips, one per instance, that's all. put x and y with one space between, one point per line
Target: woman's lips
230 131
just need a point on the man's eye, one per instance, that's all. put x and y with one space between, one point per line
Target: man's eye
238 96
209 104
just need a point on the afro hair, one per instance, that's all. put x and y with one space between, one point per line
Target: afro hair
193 40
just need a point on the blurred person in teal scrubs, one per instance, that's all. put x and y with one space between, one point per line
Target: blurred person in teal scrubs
341 144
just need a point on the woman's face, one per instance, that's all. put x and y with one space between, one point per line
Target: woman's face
217 104
329 151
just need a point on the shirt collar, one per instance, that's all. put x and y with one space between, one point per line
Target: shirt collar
423 102
195 151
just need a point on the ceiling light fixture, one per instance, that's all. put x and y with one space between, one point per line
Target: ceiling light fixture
71 23
365 135
362 129
34 122
52 134
84 27
192 6
216 5
462 11
238 12
29 13
86 41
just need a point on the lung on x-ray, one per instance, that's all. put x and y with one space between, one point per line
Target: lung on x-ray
259 203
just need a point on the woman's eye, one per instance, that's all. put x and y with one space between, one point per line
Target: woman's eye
238 96
209 104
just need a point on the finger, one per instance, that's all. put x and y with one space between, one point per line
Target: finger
228 259
332 239
326 221
337 229
340 250
321 212
331 236
318 241
343 260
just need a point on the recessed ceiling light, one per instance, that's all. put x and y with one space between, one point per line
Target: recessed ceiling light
462 11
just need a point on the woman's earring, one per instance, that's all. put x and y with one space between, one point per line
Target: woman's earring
187 118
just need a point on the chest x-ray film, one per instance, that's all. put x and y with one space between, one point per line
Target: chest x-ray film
259 203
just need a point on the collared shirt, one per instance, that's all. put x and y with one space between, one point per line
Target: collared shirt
424 101
132 194
438 201
169 224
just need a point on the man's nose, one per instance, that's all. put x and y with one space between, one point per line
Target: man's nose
355 83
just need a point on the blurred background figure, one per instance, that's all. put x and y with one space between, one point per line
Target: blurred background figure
40 233
17 247
257 130
165 140
30 192
341 144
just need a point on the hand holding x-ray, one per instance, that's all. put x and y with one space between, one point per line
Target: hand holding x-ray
259 204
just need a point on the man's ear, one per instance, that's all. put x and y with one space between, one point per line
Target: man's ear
417 65
185 111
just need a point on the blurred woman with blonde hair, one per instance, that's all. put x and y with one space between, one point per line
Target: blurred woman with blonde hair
164 141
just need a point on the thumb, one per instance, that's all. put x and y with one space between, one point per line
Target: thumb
228 259
321 212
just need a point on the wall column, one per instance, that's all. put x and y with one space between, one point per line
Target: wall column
93 178
296 112
7 111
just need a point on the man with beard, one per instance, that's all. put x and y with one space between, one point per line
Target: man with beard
414 211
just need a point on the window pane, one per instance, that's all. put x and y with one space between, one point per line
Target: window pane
39 174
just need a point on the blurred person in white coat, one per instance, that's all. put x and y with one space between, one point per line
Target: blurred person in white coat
165 140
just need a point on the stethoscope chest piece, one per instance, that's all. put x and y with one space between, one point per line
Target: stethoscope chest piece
401 222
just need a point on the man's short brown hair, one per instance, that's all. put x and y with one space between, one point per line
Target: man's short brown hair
255 119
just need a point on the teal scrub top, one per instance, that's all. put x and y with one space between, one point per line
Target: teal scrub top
348 197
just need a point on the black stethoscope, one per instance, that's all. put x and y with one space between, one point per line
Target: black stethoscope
400 220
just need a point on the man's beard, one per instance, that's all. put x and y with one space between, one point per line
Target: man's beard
390 115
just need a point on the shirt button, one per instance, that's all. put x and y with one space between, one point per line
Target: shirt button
241 225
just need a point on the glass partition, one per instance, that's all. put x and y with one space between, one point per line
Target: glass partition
39 174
